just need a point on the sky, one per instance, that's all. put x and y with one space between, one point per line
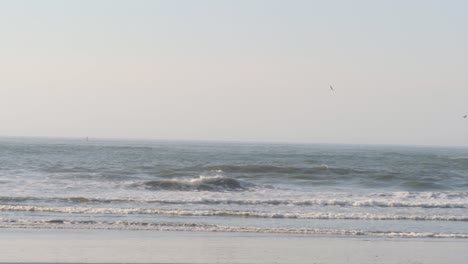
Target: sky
241 70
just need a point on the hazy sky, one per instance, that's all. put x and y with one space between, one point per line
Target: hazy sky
236 70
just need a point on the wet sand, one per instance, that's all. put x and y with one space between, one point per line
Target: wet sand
101 246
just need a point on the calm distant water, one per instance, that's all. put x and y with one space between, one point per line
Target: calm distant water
378 191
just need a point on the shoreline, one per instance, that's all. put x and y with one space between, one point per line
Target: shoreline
139 246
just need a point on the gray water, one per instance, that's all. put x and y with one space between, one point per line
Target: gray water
384 191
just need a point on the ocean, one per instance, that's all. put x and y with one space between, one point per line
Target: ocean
339 190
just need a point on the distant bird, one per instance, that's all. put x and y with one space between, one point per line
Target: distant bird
331 88
465 116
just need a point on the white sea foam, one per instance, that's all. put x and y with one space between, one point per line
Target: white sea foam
459 158
190 227
234 213
262 197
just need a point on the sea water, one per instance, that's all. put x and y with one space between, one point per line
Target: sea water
348 190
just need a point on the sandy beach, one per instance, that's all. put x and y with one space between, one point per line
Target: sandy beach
101 246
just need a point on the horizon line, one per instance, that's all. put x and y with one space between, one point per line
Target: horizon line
91 138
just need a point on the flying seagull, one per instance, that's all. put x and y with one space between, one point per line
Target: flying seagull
465 116
331 88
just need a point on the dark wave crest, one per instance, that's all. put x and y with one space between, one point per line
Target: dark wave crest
203 183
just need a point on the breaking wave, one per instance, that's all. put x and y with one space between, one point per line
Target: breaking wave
203 183
377 200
